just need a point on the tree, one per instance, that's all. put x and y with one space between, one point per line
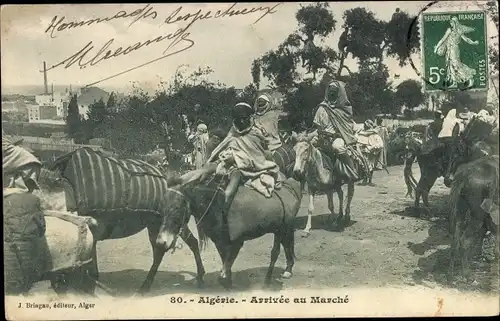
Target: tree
299 59
402 37
97 112
111 103
492 9
409 94
256 73
96 119
369 90
74 121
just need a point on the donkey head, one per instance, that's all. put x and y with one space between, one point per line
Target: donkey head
303 150
467 146
175 216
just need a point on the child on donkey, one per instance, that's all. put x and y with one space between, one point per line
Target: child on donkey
243 154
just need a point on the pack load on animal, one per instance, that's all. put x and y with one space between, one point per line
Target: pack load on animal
24 244
96 182
69 241
369 140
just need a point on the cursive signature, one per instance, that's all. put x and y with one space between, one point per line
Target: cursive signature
192 17
178 41
58 24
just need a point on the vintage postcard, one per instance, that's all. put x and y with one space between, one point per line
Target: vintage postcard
243 160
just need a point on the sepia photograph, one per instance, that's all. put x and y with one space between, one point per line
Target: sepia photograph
250 160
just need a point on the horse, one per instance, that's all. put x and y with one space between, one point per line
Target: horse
473 184
124 197
309 163
250 216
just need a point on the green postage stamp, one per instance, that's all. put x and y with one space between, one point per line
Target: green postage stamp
454 47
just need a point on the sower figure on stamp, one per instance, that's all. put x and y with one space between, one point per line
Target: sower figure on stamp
335 123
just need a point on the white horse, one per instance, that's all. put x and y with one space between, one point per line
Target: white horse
309 164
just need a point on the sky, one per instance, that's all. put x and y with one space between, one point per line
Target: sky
227 44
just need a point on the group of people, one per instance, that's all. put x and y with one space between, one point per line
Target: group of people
454 123
246 152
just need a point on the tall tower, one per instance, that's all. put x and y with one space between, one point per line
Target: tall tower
46 91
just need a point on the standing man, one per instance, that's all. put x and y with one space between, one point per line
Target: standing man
384 134
199 139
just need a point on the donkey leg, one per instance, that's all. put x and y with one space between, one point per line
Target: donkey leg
370 179
288 242
310 210
275 252
340 195
158 254
455 231
192 243
418 194
93 270
231 252
428 183
157 258
350 195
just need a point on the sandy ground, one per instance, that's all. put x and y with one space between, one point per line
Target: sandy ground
384 247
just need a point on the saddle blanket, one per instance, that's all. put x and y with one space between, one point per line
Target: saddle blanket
94 181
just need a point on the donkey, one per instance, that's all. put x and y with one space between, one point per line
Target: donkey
124 196
250 216
310 163
473 184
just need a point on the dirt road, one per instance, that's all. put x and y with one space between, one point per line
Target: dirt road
383 247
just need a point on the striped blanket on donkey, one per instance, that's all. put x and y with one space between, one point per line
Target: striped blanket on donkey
96 182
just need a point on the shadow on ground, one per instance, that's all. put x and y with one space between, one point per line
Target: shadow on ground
127 282
438 208
435 252
322 222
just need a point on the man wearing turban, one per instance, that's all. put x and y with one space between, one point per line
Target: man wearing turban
248 153
334 120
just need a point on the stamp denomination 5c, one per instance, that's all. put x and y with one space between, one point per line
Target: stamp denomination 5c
454 51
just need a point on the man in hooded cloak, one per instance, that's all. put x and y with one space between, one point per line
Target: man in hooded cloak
334 119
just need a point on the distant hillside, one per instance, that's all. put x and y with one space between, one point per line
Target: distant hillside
29 90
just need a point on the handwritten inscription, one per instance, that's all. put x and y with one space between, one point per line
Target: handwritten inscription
58 24
176 42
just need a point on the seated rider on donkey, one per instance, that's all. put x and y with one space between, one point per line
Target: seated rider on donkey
242 154
335 125
21 169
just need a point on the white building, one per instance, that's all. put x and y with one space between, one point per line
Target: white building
57 100
88 96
